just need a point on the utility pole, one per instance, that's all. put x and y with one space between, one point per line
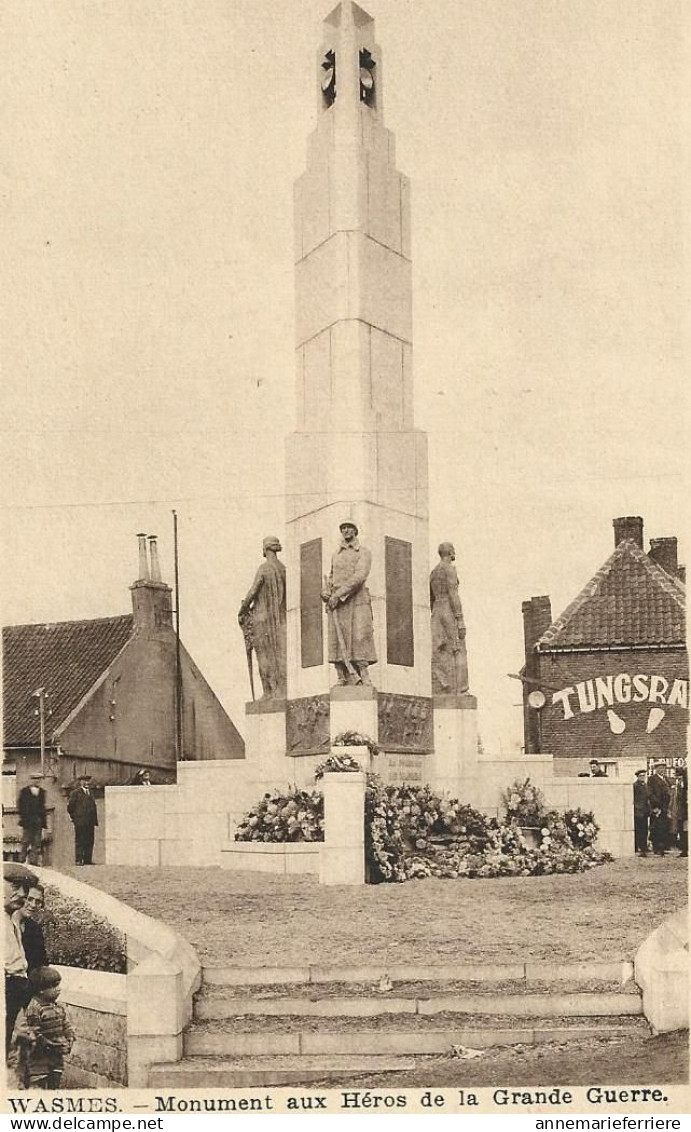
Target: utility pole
178 666
41 696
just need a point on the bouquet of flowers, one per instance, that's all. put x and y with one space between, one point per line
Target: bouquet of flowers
581 828
524 804
297 816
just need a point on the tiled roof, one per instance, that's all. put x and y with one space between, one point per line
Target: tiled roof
630 601
66 658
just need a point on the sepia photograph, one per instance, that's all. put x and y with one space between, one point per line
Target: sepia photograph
344 526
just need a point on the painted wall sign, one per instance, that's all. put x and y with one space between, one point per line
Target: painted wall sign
606 691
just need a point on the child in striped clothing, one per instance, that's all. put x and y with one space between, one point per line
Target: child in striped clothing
44 1033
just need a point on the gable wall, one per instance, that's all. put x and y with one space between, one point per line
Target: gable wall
588 734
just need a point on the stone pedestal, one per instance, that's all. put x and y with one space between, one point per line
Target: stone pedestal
343 851
155 1017
354 709
265 744
454 764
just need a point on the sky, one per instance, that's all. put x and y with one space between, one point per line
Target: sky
147 333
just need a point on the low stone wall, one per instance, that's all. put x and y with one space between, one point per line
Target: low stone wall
97 1005
163 975
610 800
661 970
278 859
183 824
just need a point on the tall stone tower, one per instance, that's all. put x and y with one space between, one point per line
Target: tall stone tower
355 452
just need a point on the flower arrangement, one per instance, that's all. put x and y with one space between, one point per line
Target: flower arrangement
294 816
524 804
581 828
336 764
356 739
412 833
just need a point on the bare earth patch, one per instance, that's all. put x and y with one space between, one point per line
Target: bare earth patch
626 1060
245 919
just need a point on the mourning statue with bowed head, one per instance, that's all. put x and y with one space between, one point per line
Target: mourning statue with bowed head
449 656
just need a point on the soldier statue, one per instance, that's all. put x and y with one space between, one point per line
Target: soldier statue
349 609
449 657
262 617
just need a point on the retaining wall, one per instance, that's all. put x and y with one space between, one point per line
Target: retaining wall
155 998
97 1004
183 824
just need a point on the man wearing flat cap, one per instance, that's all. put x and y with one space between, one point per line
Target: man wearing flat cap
33 818
641 811
81 807
349 609
262 617
659 796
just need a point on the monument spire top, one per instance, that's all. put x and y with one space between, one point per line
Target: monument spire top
347 12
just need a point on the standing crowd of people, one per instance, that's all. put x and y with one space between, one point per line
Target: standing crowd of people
660 812
38 1034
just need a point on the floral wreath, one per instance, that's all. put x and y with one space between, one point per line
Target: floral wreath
356 739
337 764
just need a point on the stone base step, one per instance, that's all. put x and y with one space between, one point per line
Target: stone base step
523 1005
217 1043
248 1072
618 972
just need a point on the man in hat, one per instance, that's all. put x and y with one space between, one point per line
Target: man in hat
16 880
640 814
262 617
659 795
81 807
31 807
597 771
349 607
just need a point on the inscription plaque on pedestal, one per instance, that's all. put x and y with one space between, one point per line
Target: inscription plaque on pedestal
405 723
398 570
399 770
307 725
311 614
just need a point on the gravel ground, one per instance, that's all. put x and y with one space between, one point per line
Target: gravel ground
426 989
255 1024
627 1060
251 919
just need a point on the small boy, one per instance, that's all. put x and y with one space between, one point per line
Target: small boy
43 1033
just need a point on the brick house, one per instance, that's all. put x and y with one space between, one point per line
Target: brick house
103 692
609 678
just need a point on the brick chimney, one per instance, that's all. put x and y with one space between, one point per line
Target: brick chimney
628 526
537 618
151 598
664 552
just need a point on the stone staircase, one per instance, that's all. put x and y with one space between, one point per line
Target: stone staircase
277 1026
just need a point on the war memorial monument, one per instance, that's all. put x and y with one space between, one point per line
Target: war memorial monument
380 662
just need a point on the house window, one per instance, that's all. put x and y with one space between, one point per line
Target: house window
9 787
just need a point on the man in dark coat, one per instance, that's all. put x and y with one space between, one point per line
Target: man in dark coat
659 795
640 814
82 809
31 807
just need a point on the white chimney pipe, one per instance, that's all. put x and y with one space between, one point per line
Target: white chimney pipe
155 565
143 560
